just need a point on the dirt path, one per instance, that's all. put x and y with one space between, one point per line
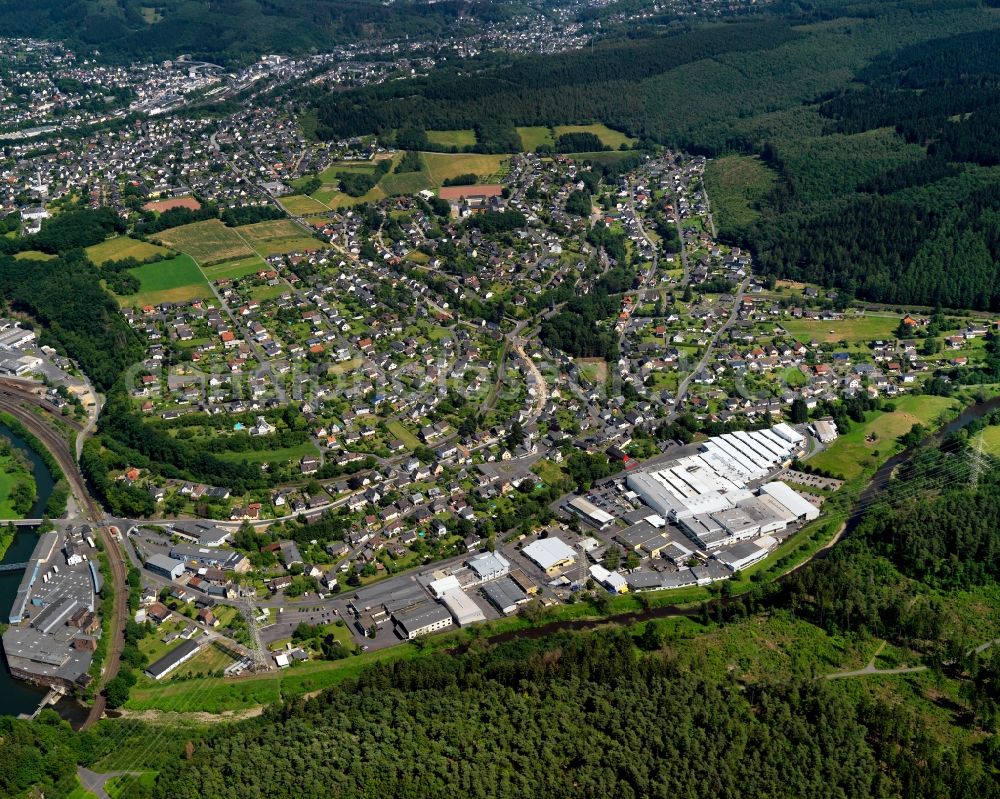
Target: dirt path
870 668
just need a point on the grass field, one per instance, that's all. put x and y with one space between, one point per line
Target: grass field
397 428
452 138
33 255
853 454
278 236
215 695
853 330
406 182
208 242
991 440
300 205
270 455
610 138
532 137
174 280
441 166
736 184
210 659
329 175
122 247
235 269
593 369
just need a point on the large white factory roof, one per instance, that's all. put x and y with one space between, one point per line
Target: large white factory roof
549 552
791 499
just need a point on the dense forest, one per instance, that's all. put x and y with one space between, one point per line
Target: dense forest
79 317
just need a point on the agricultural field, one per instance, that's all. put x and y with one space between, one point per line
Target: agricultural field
235 269
33 255
121 247
532 137
301 204
866 445
452 138
441 166
208 242
174 280
610 138
276 237
736 184
853 330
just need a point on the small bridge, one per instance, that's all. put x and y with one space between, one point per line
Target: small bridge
22 522
12 567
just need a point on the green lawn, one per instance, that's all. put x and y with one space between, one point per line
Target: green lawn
329 175
174 280
300 205
79 792
452 138
406 183
853 330
991 440
397 428
214 695
854 453
270 455
532 137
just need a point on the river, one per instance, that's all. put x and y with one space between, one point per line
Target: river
16 696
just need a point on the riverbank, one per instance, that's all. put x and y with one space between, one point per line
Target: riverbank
57 492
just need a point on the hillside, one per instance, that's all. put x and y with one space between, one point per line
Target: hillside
227 31
878 185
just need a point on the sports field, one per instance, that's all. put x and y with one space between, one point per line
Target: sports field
174 280
122 247
208 242
609 138
277 236
452 138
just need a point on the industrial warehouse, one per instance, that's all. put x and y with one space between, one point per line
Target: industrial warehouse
53 624
695 519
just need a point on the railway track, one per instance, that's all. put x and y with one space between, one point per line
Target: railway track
12 399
